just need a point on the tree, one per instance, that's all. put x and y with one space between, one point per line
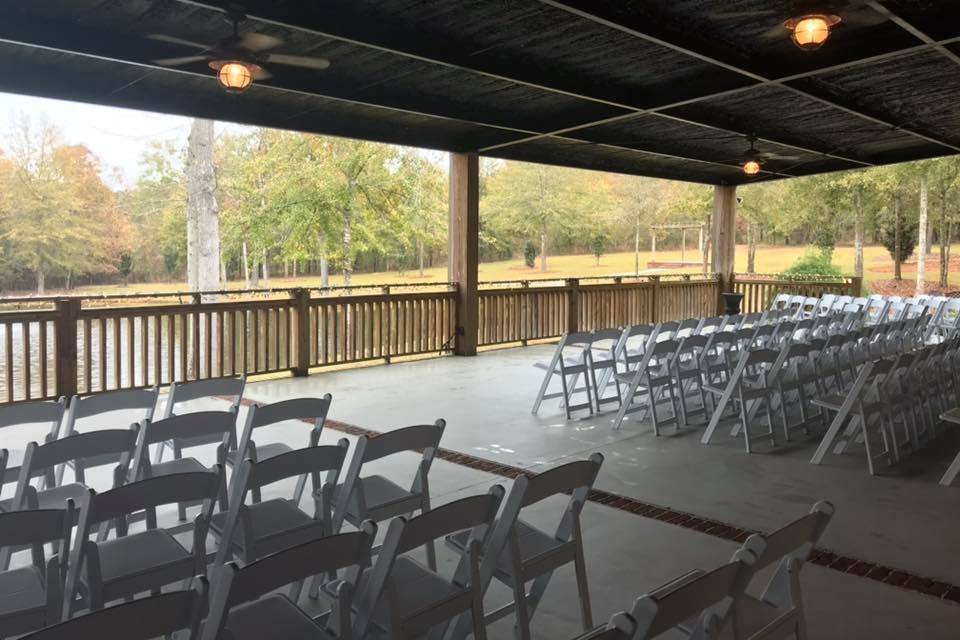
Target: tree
530 252
203 222
57 215
125 267
944 178
599 244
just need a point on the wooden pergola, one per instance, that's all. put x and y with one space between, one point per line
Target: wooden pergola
668 89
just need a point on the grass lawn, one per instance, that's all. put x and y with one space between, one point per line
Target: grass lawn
770 259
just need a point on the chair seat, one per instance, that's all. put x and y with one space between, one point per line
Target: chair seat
379 493
273 616
57 497
417 588
182 465
533 543
277 520
263 451
141 553
21 592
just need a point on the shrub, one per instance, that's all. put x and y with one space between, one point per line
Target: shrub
530 253
814 263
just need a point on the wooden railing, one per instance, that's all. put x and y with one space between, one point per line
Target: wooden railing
521 311
90 345
759 290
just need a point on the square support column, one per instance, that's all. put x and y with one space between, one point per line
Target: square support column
724 232
463 239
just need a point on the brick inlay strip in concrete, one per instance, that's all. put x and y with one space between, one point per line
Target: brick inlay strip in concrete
725 531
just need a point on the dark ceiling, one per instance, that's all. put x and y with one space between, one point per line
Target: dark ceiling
665 88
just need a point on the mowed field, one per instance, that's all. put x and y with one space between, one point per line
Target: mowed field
770 259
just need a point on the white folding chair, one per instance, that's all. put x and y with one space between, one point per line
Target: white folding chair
132 563
217 390
781 301
246 606
375 497
825 304
312 411
602 359
518 552
25 421
110 410
647 385
32 595
777 611
875 311
569 363
401 599
688 373
699 605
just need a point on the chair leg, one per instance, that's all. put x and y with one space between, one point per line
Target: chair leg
521 628
580 566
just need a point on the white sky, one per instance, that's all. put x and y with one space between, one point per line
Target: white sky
118 137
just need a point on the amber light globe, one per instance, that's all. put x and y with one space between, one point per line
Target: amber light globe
751 167
811 31
234 76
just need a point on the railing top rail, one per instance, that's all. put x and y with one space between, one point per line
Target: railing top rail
788 277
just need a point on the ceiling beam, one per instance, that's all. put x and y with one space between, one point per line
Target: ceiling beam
916 32
607 16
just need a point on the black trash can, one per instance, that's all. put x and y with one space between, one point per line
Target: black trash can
732 300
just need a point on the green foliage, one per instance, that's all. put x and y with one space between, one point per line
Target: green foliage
598 245
908 237
125 266
814 263
530 253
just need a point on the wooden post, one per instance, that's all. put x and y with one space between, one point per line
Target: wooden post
654 298
856 286
463 233
68 311
724 232
573 305
302 299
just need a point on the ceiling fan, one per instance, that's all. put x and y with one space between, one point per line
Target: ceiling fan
812 21
752 161
238 59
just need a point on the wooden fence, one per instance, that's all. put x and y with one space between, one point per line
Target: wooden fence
759 290
83 345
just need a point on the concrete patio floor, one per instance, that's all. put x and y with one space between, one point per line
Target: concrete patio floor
902 520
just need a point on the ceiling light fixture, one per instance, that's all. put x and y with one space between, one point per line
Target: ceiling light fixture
234 75
810 31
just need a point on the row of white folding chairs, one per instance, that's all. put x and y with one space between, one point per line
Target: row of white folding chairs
893 405
877 309
795 370
588 362
358 500
723 602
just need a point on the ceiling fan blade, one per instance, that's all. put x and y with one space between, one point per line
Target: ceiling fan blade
176 62
262 74
174 40
298 61
258 41
863 17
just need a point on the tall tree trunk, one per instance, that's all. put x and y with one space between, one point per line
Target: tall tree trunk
420 251
347 246
266 269
751 248
254 274
202 210
896 239
41 281
923 239
543 251
945 237
286 268
324 271
858 233
636 248
246 265
223 270
295 263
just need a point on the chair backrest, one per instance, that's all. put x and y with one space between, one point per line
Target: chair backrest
825 304
34 528
794 540
182 429
146 495
474 513
238 585
706 597
781 301
711 325
84 450
311 410
150 617
423 436
688 327
46 414
135 405
667 330
180 392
